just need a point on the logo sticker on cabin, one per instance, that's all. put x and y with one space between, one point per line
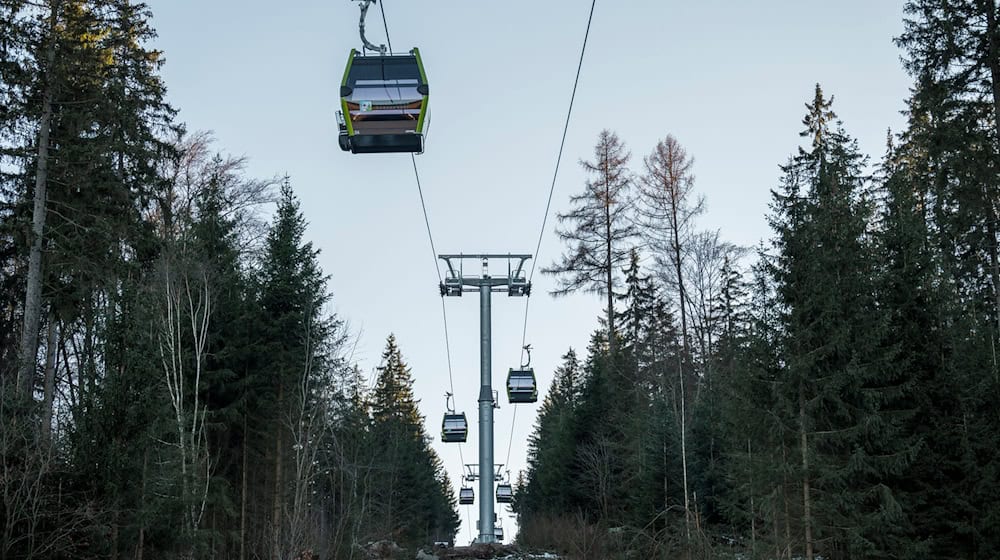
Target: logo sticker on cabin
366 106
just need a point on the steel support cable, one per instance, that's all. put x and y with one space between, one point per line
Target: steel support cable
555 173
468 516
437 269
511 442
430 237
548 202
388 41
541 233
562 142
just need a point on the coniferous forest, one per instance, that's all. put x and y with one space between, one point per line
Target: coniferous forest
175 384
173 381
829 393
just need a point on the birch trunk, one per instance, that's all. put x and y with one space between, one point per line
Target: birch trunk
676 234
184 388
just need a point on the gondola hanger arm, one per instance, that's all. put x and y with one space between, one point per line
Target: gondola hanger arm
365 4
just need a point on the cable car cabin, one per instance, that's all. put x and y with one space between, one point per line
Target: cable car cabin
518 286
383 101
505 494
521 386
454 428
466 496
452 286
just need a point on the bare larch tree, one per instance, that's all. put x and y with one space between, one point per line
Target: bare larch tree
667 208
598 227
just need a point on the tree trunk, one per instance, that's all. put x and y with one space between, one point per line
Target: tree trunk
675 227
114 538
243 494
991 229
33 290
140 547
784 499
50 376
993 40
89 361
278 480
609 256
687 505
777 530
806 499
753 510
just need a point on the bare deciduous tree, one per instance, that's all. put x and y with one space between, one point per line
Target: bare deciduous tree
598 228
34 520
704 271
597 460
307 423
189 175
668 207
182 339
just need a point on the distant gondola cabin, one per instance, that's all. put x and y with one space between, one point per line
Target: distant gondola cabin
505 494
383 103
454 428
521 386
466 496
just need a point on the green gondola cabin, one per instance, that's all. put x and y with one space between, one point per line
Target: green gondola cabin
383 102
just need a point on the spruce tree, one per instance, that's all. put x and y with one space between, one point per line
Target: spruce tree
17 30
547 489
910 292
412 498
636 314
99 254
835 395
293 333
952 155
352 460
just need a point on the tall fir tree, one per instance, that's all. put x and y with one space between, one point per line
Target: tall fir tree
292 332
414 503
835 395
547 489
911 294
952 162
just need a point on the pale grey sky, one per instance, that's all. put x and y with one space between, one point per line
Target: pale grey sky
728 79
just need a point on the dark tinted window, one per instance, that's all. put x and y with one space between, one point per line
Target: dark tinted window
383 68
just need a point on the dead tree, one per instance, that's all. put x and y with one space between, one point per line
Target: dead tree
668 207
